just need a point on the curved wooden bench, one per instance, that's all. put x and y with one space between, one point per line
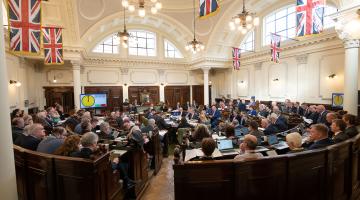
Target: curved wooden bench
332 173
49 177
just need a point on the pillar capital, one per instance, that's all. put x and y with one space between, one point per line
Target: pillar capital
258 66
302 59
75 63
351 43
206 69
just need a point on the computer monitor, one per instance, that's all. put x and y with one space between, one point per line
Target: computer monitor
272 139
241 131
224 144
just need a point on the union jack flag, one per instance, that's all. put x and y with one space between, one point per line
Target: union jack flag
275 48
53 45
236 54
25 26
309 17
208 7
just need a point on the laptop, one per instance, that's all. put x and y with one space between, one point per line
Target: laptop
225 145
241 131
274 142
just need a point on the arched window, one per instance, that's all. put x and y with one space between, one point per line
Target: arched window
248 44
142 43
171 51
283 22
110 45
5 17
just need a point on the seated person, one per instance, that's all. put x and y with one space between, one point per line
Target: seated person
229 131
160 122
94 124
105 132
28 120
134 136
85 122
184 124
215 116
36 134
294 141
254 130
235 115
89 146
329 119
270 128
338 127
277 122
191 114
53 141
247 148
350 121
236 124
200 133
319 136
208 146
17 127
151 114
252 111
149 127
70 146
263 110
203 118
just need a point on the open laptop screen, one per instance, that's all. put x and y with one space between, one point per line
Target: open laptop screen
224 144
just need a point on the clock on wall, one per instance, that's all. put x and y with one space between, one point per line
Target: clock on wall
88 100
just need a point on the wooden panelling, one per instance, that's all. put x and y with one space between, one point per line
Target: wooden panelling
198 94
62 95
114 95
355 163
174 94
135 92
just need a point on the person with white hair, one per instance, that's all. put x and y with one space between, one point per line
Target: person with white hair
150 127
105 131
294 141
89 145
278 122
36 134
17 127
270 128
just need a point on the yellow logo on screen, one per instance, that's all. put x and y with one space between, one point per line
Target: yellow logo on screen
338 100
88 101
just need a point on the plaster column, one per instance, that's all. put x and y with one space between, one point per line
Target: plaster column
8 189
206 85
302 86
351 76
125 73
76 83
162 84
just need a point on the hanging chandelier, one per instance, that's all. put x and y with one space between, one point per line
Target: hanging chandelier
244 21
124 36
194 45
153 5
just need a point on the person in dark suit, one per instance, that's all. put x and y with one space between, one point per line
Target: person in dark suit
263 110
214 116
208 146
17 127
160 122
235 115
36 134
297 109
338 127
191 114
350 121
322 114
52 142
252 111
242 105
306 110
89 146
184 124
105 132
319 136
277 122
150 127
329 119
270 128
254 130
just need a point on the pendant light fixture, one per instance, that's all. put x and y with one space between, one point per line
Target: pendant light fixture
244 21
124 36
194 45
155 6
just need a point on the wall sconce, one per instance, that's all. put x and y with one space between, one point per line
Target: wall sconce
331 76
276 79
241 83
54 80
162 84
16 83
210 82
125 84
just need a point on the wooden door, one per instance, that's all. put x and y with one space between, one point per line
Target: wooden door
62 95
198 94
136 92
114 95
174 94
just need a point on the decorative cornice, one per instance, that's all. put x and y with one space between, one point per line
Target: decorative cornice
349 44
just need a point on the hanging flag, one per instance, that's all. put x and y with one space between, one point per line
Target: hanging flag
24 26
208 8
309 17
236 58
275 48
53 45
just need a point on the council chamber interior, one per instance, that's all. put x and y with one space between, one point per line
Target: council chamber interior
192 99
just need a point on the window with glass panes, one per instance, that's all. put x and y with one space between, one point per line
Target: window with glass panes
248 43
171 51
110 45
142 43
